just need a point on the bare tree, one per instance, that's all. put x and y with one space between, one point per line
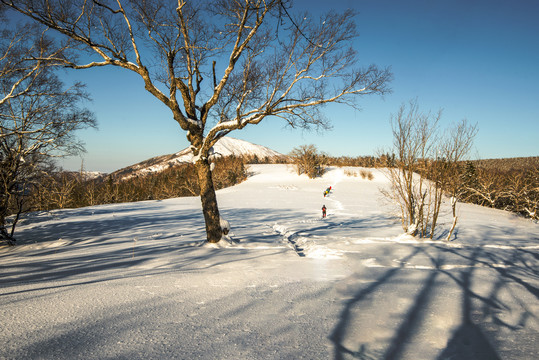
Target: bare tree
455 146
426 167
507 184
519 192
224 64
37 115
487 191
413 143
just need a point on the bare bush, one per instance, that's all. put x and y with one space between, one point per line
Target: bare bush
309 161
365 174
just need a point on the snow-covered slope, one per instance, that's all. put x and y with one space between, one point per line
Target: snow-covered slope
135 281
226 146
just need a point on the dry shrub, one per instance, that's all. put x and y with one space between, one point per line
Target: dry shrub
309 161
365 174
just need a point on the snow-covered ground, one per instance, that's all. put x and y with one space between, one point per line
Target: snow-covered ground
135 281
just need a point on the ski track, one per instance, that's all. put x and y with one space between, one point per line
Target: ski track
303 243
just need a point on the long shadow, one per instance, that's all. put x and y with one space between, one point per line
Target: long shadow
504 272
478 334
469 341
353 224
92 257
339 332
414 317
105 248
257 323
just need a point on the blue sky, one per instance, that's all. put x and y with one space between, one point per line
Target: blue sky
475 59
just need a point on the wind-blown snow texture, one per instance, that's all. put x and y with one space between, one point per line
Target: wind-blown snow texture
135 281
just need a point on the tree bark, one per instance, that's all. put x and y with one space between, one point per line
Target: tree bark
454 208
209 201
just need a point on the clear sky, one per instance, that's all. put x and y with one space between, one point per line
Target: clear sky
475 59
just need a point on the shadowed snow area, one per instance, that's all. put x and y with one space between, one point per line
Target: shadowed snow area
136 281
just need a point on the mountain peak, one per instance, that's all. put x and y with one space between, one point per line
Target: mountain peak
226 146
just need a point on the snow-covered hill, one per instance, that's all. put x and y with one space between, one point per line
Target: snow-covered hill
135 281
226 146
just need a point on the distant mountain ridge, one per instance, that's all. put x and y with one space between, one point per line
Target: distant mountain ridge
226 146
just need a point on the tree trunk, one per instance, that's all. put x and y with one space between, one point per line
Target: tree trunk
209 201
454 208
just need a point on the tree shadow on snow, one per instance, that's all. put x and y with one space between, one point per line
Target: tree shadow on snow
134 242
240 325
496 319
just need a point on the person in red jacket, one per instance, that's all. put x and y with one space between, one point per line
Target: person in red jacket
323 211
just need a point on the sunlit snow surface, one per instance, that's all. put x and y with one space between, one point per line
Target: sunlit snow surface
136 281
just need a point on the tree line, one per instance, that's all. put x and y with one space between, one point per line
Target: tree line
506 184
55 189
67 189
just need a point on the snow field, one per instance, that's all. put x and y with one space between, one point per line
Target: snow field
137 281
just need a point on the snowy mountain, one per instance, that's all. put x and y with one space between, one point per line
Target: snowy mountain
226 146
136 281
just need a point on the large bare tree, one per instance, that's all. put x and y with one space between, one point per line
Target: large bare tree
38 115
219 65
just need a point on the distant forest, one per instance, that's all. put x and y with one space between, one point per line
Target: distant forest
73 189
507 184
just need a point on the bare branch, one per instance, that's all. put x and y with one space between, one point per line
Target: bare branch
222 63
